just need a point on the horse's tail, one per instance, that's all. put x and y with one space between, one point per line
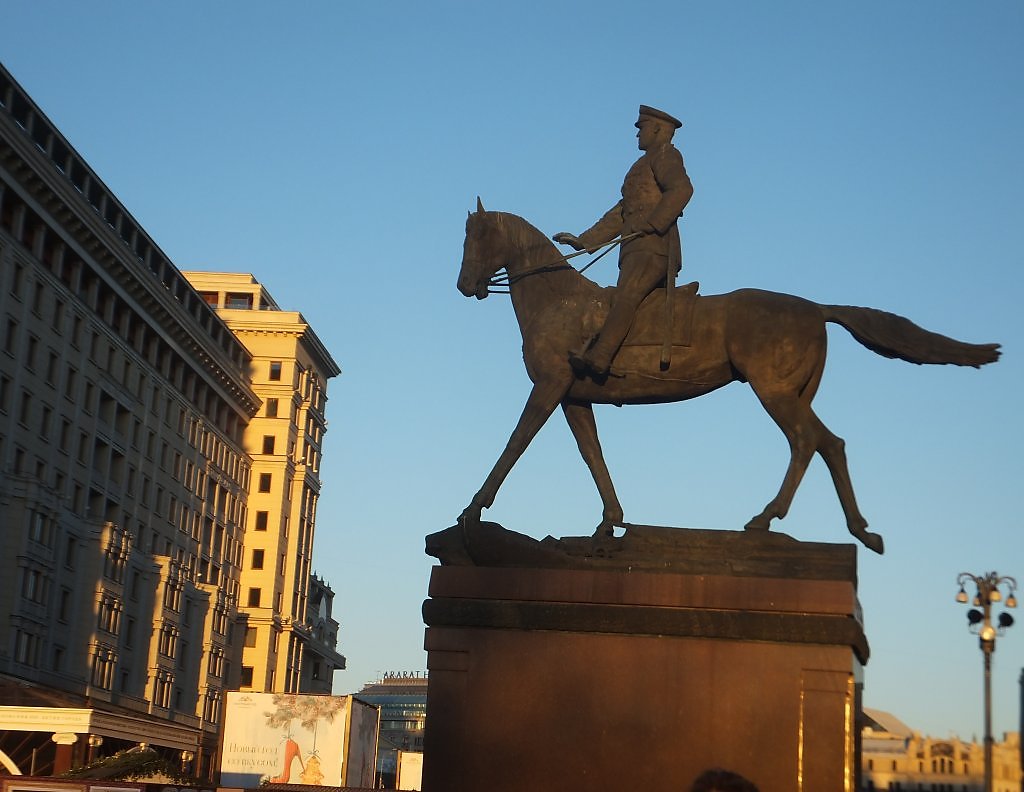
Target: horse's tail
894 336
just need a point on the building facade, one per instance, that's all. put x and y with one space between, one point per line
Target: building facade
132 465
894 757
290 641
124 401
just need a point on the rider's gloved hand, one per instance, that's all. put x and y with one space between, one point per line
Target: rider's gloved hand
565 238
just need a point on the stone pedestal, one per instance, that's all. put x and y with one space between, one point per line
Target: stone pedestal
639 679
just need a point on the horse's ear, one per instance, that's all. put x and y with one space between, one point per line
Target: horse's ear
479 205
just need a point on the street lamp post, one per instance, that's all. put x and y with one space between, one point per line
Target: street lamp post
979 622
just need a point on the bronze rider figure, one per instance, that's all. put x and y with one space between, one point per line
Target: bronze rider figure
654 193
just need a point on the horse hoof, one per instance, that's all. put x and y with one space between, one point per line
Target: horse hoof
759 523
873 541
470 516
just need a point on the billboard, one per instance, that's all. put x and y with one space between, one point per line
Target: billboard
410 770
283 738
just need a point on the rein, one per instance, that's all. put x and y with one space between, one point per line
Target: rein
502 278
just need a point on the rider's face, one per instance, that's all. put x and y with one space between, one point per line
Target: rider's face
648 133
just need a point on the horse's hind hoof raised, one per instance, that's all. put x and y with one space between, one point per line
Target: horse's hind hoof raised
873 541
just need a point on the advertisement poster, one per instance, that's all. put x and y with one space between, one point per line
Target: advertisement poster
282 738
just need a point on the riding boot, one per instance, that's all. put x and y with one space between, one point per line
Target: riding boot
639 275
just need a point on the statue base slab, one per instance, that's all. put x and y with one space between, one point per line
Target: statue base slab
548 678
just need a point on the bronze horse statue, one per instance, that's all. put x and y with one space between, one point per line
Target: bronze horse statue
774 342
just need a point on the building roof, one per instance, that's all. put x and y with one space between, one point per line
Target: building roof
881 721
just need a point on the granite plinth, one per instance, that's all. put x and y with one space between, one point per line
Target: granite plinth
615 679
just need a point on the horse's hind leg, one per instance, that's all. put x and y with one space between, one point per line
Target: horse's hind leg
807 434
833 451
580 417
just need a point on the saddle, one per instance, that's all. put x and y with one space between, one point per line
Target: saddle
649 328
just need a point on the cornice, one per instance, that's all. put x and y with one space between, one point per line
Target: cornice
49 174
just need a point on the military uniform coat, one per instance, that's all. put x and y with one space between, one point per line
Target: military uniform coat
655 191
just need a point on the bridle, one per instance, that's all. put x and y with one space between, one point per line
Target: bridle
501 278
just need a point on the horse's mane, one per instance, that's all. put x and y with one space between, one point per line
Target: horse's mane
534 244
522 233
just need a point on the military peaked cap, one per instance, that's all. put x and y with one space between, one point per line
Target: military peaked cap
660 115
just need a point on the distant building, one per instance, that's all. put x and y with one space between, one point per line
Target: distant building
402 699
321 658
893 757
290 368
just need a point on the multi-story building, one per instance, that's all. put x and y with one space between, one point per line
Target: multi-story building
140 441
290 637
894 757
124 401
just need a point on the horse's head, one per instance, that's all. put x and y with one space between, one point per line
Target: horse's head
484 252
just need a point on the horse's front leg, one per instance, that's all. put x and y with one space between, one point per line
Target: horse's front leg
580 417
544 397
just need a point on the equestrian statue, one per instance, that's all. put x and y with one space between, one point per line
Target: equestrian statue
585 345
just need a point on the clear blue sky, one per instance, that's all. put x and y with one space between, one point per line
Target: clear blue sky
865 153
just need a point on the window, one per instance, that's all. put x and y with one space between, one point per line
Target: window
51 368
18 280
172 595
272 408
64 605
264 482
103 668
238 301
268 444
26 648
220 619
109 614
245 678
40 529
11 343
250 637
167 643
71 544
254 597
275 371
257 559
25 413
211 706
162 689
35 586
261 521
216 665
37 299
70 384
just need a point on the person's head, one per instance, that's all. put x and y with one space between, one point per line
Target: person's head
654 127
718 780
